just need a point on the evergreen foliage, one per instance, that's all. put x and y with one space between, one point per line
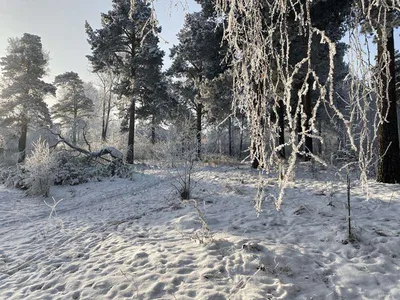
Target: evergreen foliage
73 106
198 58
126 44
23 103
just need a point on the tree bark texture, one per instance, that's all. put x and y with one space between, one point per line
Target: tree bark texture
230 136
281 116
388 140
153 130
74 124
22 142
199 115
131 136
241 138
105 119
308 111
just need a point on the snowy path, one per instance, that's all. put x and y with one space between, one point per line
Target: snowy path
120 239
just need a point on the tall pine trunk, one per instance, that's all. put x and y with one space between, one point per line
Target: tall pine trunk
199 115
307 108
230 135
74 124
153 130
256 144
103 123
308 111
255 163
281 116
299 130
131 135
106 117
320 134
22 142
241 138
388 141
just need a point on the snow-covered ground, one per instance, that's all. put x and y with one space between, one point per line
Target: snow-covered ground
134 239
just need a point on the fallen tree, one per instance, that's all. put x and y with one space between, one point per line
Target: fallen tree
112 151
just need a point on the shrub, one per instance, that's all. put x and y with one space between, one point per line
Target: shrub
39 169
74 170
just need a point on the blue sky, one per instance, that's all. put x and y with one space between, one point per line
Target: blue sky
60 24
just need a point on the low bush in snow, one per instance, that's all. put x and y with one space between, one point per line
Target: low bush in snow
8 158
74 170
10 176
38 170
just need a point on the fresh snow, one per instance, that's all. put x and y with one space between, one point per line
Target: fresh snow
134 239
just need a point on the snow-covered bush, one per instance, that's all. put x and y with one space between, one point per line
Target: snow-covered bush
8 158
39 169
220 159
8 150
74 170
10 176
180 151
144 149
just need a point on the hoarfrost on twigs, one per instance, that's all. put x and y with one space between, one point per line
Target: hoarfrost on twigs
274 45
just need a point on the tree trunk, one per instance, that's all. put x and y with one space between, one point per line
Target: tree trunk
299 130
130 155
320 134
153 130
199 115
281 116
22 142
107 116
131 136
388 141
257 147
74 124
74 131
308 111
241 138
219 141
307 108
230 135
104 133
106 106
103 123
255 163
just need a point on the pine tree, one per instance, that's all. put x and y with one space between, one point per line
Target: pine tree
23 68
218 95
198 57
388 141
73 105
151 85
329 17
283 48
119 45
397 70
155 103
380 19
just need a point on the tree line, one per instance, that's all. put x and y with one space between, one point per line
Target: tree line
276 68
